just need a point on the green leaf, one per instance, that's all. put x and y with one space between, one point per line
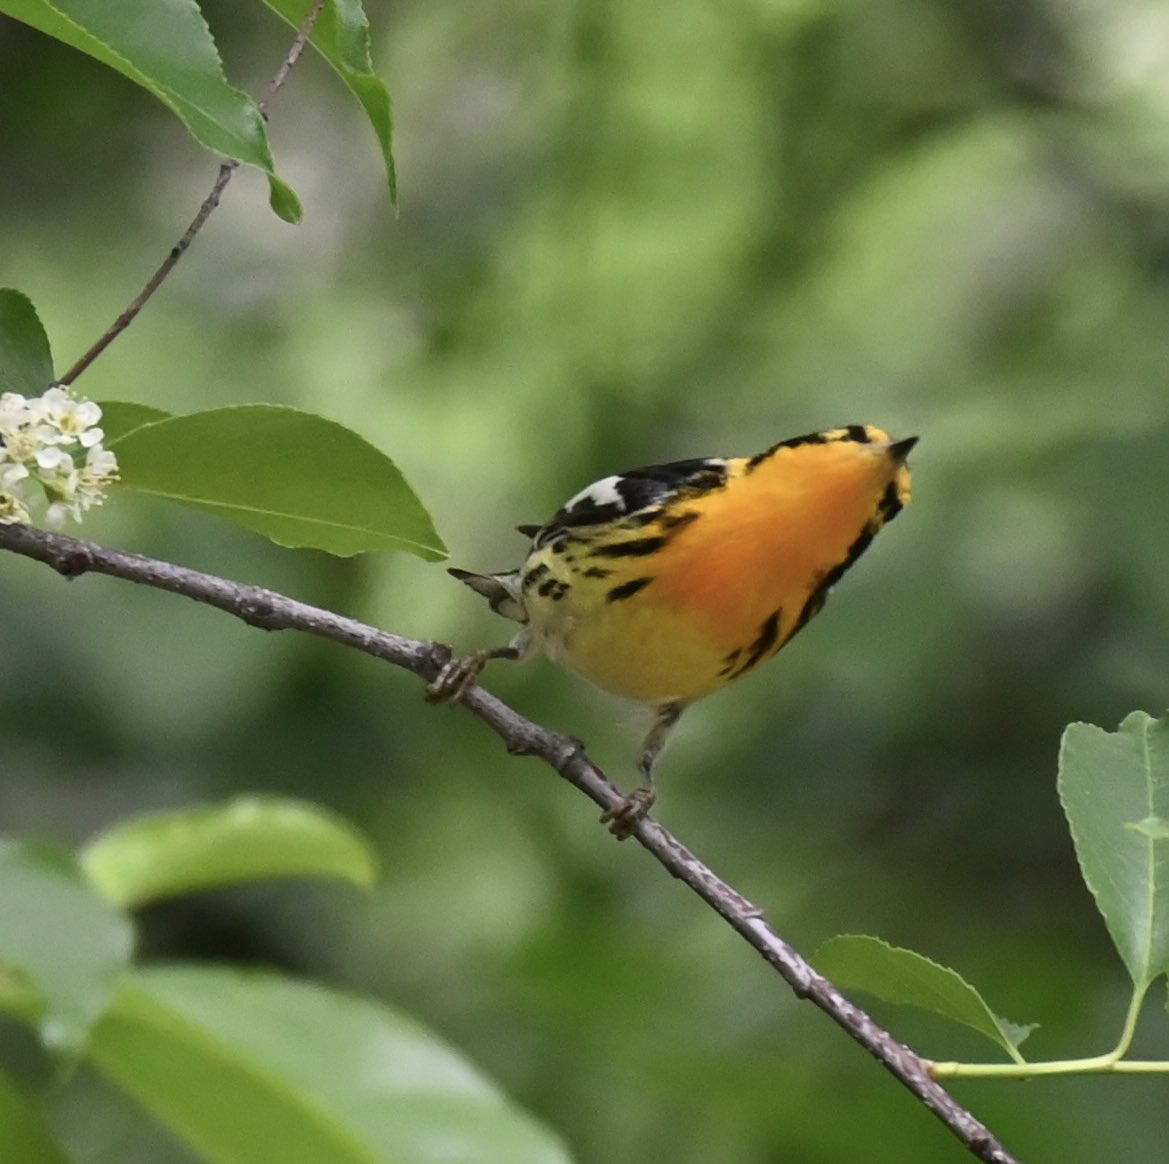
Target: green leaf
858 962
24 1136
118 417
341 36
26 364
231 1060
61 944
168 50
299 479
170 853
1114 787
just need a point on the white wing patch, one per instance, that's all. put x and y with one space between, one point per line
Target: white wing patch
599 493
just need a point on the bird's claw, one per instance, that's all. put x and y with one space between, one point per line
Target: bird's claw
622 818
456 678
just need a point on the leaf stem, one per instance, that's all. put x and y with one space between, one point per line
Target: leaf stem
1107 1064
1130 1020
1113 1061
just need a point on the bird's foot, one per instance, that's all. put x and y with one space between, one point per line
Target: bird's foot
456 678
622 818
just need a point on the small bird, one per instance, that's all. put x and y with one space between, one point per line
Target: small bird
666 583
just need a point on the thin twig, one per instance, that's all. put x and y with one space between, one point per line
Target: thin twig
155 281
176 252
271 611
290 58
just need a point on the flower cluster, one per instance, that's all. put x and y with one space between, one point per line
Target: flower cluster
50 448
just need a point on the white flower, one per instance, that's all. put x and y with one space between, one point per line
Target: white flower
22 445
12 509
12 475
13 412
52 441
101 463
50 457
70 417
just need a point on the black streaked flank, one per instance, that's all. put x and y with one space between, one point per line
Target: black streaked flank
728 667
644 517
597 572
765 642
533 576
819 595
814 603
553 588
637 548
673 522
627 589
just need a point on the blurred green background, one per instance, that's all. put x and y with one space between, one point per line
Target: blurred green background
632 232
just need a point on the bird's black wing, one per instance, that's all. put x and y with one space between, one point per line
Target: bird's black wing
634 492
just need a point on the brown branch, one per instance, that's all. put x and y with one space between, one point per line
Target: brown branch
271 611
176 252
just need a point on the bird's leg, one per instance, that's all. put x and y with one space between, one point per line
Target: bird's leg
458 676
622 817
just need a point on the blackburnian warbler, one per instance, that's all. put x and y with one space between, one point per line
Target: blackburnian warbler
666 583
